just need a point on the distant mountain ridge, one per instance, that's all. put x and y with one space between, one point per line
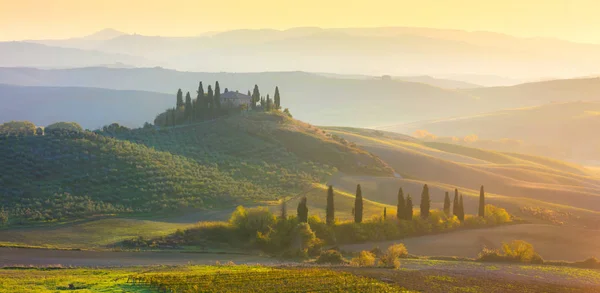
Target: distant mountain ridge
373 51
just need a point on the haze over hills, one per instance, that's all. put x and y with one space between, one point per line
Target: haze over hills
22 54
311 97
561 129
374 51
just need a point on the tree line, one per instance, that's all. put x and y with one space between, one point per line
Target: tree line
404 206
209 105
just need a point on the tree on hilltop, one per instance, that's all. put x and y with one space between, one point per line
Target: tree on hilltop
180 99
277 99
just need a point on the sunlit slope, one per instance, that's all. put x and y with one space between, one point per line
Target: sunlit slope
501 174
561 130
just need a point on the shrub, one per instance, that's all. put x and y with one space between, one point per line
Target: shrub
331 257
364 259
63 126
521 251
391 258
251 221
515 251
495 215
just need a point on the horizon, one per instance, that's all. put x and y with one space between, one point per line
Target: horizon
565 20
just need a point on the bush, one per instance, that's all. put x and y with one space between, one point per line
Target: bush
495 215
251 221
63 126
364 259
515 251
331 257
391 258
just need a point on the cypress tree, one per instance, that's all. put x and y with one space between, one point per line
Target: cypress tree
179 99
455 204
174 117
481 202
188 106
201 104
447 204
330 212
277 99
409 208
358 205
461 209
425 202
302 211
255 96
401 206
210 98
217 96
283 210
269 104
384 213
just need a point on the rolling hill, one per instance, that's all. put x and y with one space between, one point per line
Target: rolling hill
512 181
91 107
564 129
238 159
337 98
24 54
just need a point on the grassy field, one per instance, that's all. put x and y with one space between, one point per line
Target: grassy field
413 276
189 279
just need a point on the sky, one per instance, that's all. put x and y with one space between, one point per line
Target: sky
574 20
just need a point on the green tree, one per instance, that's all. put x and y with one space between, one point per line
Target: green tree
425 202
481 202
358 205
217 96
302 210
210 99
277 98
401 206
447 204
201 103
384 213
268 104
330 211
409 208
255 96
180 99
461 209
455 204
188 106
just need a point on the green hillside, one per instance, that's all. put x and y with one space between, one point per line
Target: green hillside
238 159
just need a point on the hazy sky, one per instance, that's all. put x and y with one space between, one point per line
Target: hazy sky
36 19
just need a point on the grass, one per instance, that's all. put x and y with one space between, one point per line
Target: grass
188 279
96 234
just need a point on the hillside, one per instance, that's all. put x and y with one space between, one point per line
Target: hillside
24 54
91 107
221 163
512 181
563 129
394 101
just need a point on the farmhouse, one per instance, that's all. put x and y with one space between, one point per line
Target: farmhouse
235 99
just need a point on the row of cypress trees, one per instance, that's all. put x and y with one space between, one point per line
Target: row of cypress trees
207 105
404 206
